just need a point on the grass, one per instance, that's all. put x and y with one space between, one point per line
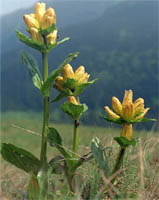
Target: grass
139 178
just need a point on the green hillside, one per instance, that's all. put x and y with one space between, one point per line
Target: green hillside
119 47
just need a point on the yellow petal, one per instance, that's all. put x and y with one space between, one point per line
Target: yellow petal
126 131
48 19
51 38
128 111
59 83
73 100
142 114
31 21
83 79
116 105
35 35
79 72
138 106
68 72
110 113
40 9
127 97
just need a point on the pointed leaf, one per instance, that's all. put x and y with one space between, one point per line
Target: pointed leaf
98 153
124 142
55 139
61 96
79 89
75 111
52 46
20 158
32 66
29 42
48 30
49 82
116 121
33 188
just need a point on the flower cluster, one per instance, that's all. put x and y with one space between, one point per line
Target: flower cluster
79 77
127 112
40 20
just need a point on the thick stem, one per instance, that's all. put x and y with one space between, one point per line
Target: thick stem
119 161
45 112
75 139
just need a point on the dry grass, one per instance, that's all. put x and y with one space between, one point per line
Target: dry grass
139 178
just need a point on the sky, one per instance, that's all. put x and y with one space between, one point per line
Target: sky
8 6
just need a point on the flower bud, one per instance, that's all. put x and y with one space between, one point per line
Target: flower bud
72 99
83 79
40 9
36 36
126 131
51 38
127 97
31 21
68 72
128 111
110 113
48 19
116 105
140 116
59 83
79 72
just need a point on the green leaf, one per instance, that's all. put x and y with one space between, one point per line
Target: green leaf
61 96
55 139
70 83
124 142
52 46
48 30
98 154
146 120
75 111
32 66
49 82
20 158
33 188
79 89
29 42
117 121
43 179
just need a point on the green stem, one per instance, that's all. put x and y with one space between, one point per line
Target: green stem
119 161
45 112
75 139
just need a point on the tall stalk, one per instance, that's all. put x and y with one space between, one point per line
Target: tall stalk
119 161
75 139
43 157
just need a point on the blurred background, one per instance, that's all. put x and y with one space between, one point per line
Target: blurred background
117 41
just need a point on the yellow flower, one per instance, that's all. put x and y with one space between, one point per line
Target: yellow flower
127 110
41 19
80 76
72 99
51 38
31 21
35 35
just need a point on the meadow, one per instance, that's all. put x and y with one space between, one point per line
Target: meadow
138 179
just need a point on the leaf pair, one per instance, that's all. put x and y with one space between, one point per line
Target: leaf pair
71 90
34 72
75 111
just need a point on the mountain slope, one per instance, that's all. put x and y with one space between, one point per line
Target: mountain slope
120 48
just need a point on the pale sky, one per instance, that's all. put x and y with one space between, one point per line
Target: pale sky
8 6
